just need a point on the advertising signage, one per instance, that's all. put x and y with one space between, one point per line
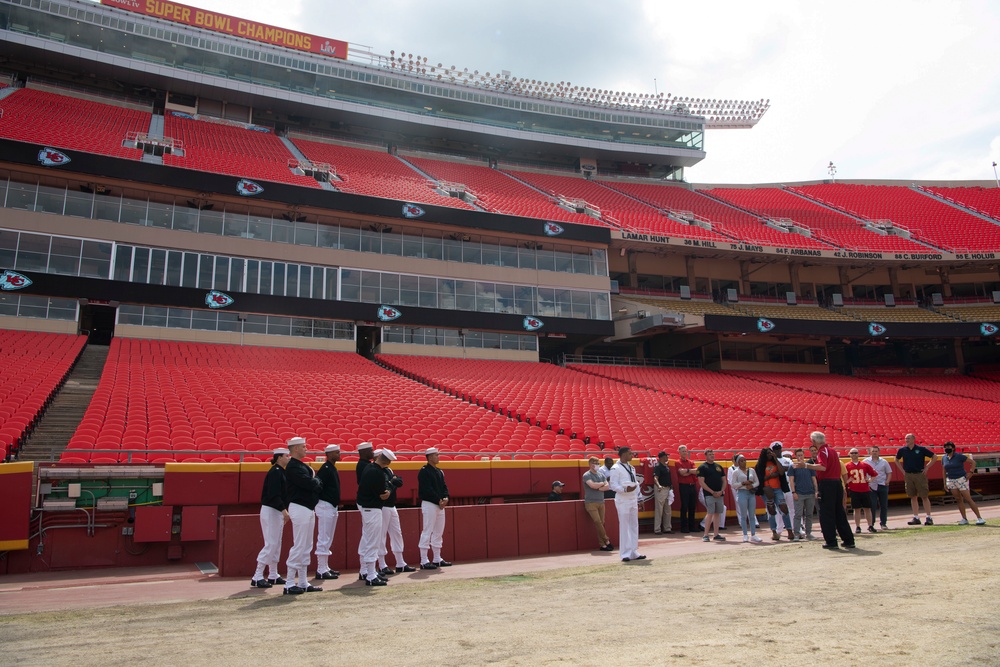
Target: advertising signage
231 25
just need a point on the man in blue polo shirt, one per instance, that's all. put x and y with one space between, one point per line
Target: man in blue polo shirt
915 460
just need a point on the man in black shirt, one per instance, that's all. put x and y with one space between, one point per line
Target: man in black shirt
327 512
557 489
433 499
915 459
661 495
712 478
391 528
372 492
303 493
606 471
365 456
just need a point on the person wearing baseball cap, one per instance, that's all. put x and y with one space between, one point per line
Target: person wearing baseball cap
304 490
372 492
433 494
557 489
273 515
327 511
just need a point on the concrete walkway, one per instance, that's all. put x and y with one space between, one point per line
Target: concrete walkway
89 589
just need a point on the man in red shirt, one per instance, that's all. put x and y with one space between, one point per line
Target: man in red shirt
687 483
832 513
857 474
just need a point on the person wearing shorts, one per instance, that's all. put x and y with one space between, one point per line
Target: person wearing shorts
956 480
712 478
915 459
857 475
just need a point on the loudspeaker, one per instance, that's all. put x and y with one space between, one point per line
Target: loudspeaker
790 298
686 292
732 296
937 299
838 299
890 301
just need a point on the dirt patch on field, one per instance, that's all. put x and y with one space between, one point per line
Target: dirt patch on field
903 598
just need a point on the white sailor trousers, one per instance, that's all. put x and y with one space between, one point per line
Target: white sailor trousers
326 526
628 524
432 534
303 525
371 531
271 524
392 530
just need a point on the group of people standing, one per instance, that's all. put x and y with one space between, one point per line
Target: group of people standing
294 492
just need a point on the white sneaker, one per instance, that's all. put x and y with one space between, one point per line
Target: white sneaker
746 538
756 539
980 522
963 522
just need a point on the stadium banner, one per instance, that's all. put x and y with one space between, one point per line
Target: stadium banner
876 328
231 25
804 253
96 289
107 167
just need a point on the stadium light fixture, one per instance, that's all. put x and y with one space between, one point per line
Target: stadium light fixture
997 179
832 170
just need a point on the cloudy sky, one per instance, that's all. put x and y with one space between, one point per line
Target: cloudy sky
883 88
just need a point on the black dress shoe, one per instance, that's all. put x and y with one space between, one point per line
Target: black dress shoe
278 581
406 568
428 566
260 583
313 589
626 560
852 545
830 546
443 563
294 590
640 557
376 582
329 574
386 571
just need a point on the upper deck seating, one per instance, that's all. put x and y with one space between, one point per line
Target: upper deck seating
376 174
60 121
227 149
927 218
982 200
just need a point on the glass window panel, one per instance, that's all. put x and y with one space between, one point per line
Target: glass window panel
96 259
189 272
50 200
8 304
343 330
601 306
140 265
305 233
33 306
581 304
581 264
409 290
486 298
564 303
205 320
305 282
505 299
329 236
178 318
350 239
390 288
173 271
8 247
473 339
491 340
282 231
428 292
154 317
563 261
370 287
472 252
292 280
302 327
546 260
228 321
526 258
236 224
317 282
266 269
107 207
412 246
278 280
157 265
508 256
260 228
446 293
133 211
206 271
452 250
331 284
185 219
392 334
465 295
79 204
62 265
599 261
433 248
123 262
322 329
130 315
210 222
255 324
279 326
236 274
491 253
253 275
546 302
159 215
20 195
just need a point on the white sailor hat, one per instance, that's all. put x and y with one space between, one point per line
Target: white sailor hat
378 452
331 448
432 450
776 444
387 453
295 441
364 445
281 451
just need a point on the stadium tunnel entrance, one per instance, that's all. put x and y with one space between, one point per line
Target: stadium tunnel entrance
97 322
368 338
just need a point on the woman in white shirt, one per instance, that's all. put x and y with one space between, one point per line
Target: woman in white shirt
744 482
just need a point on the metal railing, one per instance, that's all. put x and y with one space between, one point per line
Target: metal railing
628 361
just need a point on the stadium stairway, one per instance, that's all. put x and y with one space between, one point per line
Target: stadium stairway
66 411
300 156
8 90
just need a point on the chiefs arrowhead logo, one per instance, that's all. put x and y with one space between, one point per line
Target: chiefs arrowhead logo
876 329
12 280
552 229
532 323
248 188
412 211
765 325
985 328
388 313
50 157
217 299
